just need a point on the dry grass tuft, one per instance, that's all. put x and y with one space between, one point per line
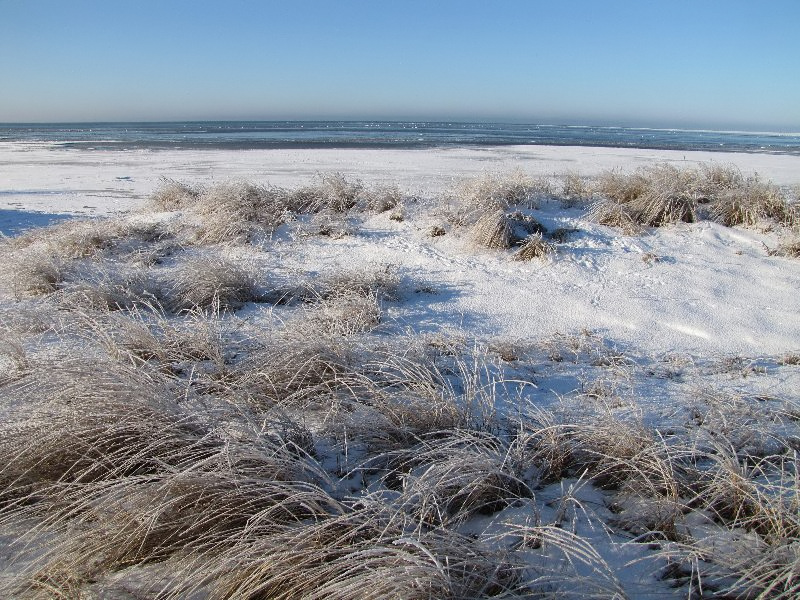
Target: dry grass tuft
332 192
493 230
420 387
749 202
235 212
104 286
146 334
72 239
613 214
452 475
787 249
663 194
89 420
381 282
534 247
575 189
32 272
118 477
751 549
299 366
173 195
489 193
345 313
363 553
210 283
380 199
135 521
658 196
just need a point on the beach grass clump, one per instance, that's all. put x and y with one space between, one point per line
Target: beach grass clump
545 444
145 334
493 230
210 283
297 366
345 313
383 282
32 272
380 199
753 493
89 420
172 195
413 391
82 252
652 488
137 521
367 552
534 246
750 550
664 194
121 482
502 230
74 238
661 195
422 386
749 202
455 474
236 211
622 187
502 190
609 444
650 197
790 249
614 214
474 198
576 189
106 286
330 192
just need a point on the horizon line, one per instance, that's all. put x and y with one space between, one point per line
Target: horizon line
754 131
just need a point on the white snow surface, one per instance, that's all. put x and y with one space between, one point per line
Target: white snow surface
702 288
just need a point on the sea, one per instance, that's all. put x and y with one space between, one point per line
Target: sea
382 134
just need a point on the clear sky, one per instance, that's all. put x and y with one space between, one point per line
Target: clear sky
674 63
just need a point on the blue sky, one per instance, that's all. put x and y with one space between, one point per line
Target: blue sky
674 63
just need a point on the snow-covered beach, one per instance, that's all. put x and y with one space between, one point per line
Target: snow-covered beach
665 345
45 178
713 289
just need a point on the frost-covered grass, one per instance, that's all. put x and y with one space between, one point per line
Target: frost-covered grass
273 414
663 194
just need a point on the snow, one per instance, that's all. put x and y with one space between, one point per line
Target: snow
689 305
712 289
41 178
